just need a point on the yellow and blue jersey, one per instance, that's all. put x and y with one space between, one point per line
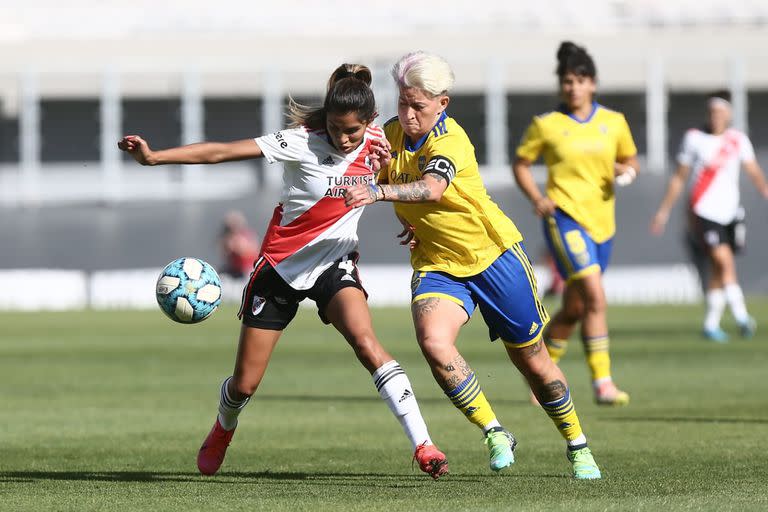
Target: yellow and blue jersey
464 232
580 157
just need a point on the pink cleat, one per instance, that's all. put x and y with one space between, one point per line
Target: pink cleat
431 460
609 394
211 454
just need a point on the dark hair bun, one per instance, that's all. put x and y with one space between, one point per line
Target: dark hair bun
572 58
567 48
357 71
723 94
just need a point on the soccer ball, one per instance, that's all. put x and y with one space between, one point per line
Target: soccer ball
188 290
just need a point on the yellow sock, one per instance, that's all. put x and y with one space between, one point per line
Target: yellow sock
469 398
563 414
556 348
598 359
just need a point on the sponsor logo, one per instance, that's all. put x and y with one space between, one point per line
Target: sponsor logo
348 277
281 140
258 305
337 185
280 300
603 129
328 160
534 326
403 177
406 395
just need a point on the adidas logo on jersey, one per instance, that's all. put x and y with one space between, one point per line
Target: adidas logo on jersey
534 326
328 160
406 394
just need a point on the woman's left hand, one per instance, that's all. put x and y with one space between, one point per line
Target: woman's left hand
624 174
362 194
379 153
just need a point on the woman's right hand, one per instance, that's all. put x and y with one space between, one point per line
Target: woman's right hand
659 222
408 234
544 207
137 148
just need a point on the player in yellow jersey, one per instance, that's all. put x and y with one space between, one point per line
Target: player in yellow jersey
465 254
587 148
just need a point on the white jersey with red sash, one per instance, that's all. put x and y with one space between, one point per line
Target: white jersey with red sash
311 227
715 162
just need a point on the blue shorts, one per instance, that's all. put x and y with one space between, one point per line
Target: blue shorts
505 291
576 254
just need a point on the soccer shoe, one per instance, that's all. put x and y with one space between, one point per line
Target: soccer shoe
431 460
748 328
211 454
501 445
584 465
717 335
609 394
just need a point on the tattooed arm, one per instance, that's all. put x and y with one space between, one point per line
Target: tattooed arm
437 175
429 188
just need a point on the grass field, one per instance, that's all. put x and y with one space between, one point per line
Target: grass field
105 411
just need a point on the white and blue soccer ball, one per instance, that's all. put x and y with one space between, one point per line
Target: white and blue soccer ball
188 290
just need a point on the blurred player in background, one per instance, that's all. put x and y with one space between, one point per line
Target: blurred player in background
309 251
587 148
709 162
239 245
465 253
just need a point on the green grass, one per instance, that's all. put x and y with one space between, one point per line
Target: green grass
103 411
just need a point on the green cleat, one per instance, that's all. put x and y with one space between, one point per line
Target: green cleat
584 465
501 445
748 328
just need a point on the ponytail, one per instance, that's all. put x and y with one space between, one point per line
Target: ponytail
348 91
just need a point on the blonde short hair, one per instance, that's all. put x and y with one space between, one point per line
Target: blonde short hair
424 71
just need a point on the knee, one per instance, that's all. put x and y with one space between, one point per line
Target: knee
365 345
594 302
431 346
243 386
572 313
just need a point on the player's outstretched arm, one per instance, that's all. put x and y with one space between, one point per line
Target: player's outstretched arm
542 205
674 188
429 188
201 153
757 176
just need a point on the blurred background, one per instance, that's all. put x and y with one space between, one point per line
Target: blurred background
79 218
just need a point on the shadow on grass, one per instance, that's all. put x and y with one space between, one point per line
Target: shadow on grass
345 479
372 398
685 419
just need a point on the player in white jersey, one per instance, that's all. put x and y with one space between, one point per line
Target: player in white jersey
709 163
309 251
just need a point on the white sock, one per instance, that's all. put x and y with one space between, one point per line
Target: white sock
580 441
229 409
715 307
396 390
493 424
735 298
599 382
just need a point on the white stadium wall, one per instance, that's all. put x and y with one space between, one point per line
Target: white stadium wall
387 285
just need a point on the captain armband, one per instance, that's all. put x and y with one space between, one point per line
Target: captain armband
441 166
